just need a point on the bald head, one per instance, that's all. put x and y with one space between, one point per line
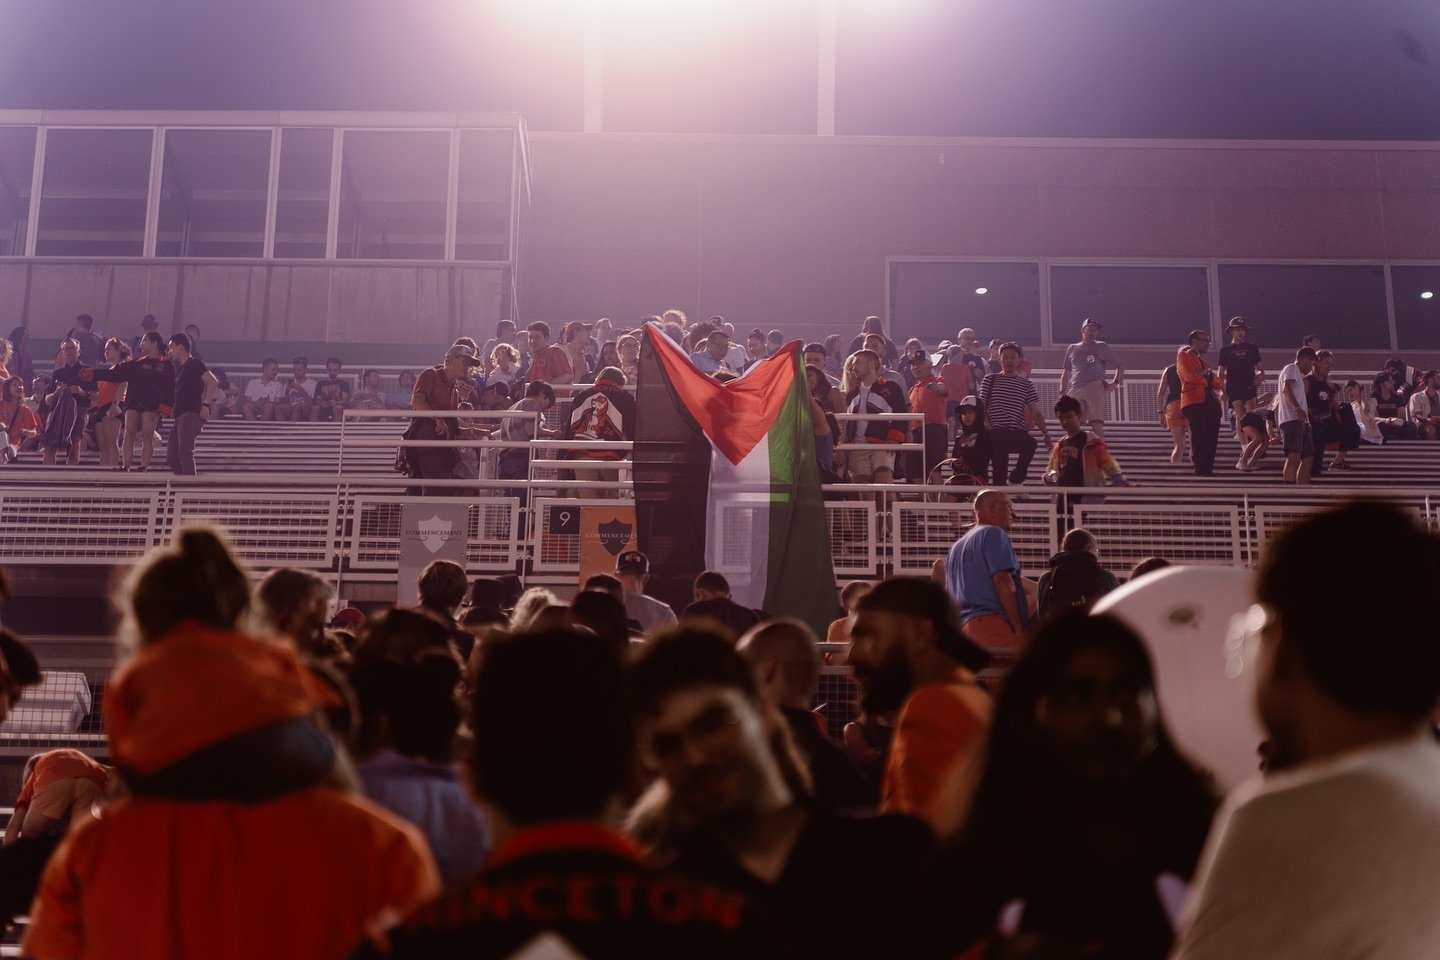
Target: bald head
992 507
785 656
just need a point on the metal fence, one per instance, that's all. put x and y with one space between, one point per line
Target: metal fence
350 527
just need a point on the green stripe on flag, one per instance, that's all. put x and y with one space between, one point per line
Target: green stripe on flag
800 578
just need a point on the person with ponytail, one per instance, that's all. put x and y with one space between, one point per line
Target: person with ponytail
239 837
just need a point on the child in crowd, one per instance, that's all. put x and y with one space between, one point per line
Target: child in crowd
1078 459
972 437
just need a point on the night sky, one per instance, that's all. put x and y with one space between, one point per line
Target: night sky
1218 69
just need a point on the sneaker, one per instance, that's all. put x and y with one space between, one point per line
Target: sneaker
1244 467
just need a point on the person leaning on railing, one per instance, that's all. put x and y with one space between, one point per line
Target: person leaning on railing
441 387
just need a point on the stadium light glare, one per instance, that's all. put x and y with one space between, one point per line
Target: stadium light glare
1428 294
981 291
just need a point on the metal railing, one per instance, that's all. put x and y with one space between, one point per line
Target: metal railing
349 526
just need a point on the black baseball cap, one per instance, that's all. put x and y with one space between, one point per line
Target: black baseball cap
632 561
928 601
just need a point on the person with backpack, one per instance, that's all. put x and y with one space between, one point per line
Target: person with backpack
1075 578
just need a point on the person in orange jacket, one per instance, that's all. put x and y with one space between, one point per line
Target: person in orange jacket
240 836
1200 386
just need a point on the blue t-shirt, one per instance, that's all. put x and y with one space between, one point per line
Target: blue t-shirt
973 561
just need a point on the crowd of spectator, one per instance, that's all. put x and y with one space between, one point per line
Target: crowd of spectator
975 408
500 773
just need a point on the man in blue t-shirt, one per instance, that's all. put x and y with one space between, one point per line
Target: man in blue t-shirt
982 574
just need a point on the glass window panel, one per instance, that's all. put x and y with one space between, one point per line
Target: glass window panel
482 218
1417 306
393 191
932 300
1135 305
17 164
1343 305
302 206
92 202
213 192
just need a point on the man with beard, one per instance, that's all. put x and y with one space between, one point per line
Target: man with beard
740 808
909 656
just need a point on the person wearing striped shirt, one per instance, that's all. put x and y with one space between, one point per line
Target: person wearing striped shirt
873 394
1007 396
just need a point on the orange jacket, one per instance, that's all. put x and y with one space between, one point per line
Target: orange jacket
1193 383
300 875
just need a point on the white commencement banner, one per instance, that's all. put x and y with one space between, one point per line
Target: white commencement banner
429 531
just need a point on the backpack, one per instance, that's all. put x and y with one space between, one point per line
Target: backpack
1077 581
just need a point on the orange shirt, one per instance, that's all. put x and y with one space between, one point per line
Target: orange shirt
940 728
302 876
927 401
550 363
1193 386
62 764
16 419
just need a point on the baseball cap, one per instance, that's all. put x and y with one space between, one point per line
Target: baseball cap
348 617
1237 322
569 329
969 401
913 597
460 350
632 561
1089 320
815 348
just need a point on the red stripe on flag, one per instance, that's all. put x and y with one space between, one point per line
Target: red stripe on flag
735 415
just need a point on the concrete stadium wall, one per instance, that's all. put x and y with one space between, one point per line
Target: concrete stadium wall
793 232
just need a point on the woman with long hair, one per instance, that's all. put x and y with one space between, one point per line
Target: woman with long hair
504 366
105 416
1085 821
17 421
609 355
150 391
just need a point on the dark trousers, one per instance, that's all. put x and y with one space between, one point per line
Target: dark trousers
937 447
1003 442
180 448
1204 433
514 464
1345 432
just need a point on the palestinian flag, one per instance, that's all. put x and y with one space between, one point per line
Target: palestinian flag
726 479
